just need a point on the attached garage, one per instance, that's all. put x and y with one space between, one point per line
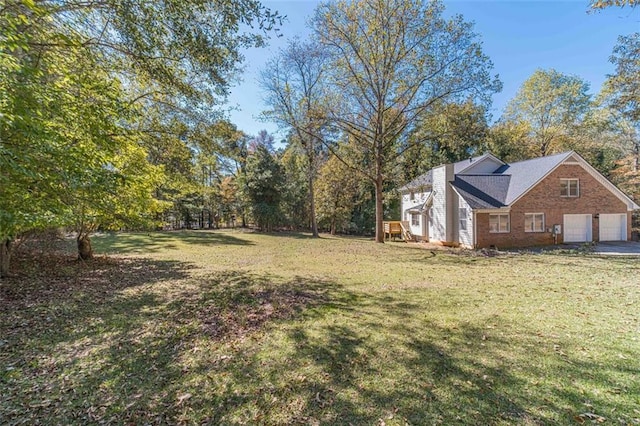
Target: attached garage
577 228
613 227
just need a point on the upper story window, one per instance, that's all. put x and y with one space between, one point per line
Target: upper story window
499 223
412 196
569 187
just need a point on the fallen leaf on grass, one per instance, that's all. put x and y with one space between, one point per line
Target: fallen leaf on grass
595 418
183 398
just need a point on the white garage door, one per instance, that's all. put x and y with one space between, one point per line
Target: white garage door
577 228
613 227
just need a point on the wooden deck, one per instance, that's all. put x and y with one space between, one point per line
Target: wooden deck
395 228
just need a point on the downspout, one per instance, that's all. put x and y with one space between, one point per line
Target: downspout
475 230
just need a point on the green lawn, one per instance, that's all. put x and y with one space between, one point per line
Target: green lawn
231 327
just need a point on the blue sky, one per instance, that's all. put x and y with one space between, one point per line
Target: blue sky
518 36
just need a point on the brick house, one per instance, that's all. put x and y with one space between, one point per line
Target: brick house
484 202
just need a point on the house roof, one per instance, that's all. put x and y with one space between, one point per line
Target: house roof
419 182
426 179
483 191
525 174
464 165
506 184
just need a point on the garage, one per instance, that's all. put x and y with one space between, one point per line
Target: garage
613 227
577 228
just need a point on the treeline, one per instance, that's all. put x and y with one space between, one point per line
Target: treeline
383 91
110 110
110 115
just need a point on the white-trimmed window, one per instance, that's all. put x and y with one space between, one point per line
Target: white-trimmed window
412 196
499 223
569 187
415 219
534 222
462 214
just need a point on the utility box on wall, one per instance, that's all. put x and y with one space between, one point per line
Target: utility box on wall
557 229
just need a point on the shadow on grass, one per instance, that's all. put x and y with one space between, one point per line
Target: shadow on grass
165 346
430 374
120 343
152 242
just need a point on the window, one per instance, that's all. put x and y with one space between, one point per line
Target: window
462 214
412 196
534 222
569 188
415 219
499 223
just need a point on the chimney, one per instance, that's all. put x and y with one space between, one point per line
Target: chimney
444 213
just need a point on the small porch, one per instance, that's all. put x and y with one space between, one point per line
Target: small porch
396 228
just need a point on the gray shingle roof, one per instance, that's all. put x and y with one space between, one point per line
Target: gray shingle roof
500 188
419 182
483 191
427 178
460 166
525 174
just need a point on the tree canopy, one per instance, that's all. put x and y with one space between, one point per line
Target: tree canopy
391 62
550 104
93 95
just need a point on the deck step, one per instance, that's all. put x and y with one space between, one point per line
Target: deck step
406 233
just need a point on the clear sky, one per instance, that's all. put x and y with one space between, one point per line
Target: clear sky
518 36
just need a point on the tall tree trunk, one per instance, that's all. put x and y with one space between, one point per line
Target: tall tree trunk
379 211
312 203
5 257
85 251
311 173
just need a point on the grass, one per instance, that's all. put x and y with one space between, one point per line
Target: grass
229 327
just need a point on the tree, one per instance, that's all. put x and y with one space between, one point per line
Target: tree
233 160
621 95
623 86
74 76
295 191
262 183
602 4
335 207
505 140
551 104
449 133
187 48
293 82
27 161
71 157
264 140
390 62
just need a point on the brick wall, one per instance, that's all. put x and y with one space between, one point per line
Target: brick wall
545 198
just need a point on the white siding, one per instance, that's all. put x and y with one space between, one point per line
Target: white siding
419 198
439 231
487 165
466 236
406 203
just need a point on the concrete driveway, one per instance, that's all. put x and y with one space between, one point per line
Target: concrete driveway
618 248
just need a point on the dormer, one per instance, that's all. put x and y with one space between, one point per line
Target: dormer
484 164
